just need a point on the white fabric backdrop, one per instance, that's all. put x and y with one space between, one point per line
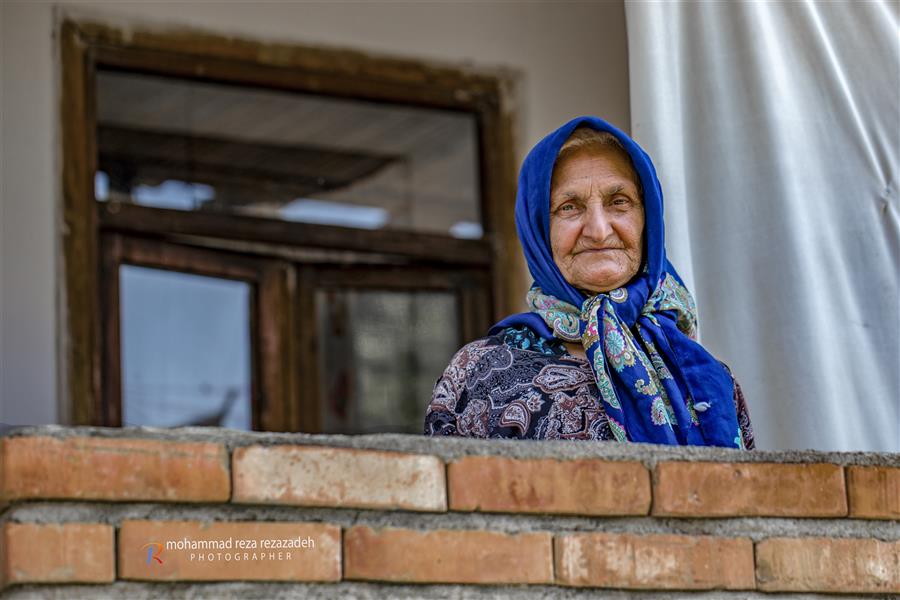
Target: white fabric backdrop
775 128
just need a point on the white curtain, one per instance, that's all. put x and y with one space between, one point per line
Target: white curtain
775 128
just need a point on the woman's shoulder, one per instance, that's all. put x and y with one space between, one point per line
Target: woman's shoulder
450 390
487 360
475 351
517 337
523 337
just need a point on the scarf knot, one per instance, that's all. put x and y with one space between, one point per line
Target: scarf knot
649 395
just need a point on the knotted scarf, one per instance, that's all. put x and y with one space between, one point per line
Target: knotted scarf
657 384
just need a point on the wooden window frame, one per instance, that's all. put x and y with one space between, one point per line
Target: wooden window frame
271 363
469 298
87 46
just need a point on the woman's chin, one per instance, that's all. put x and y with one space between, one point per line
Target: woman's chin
602 285
599 276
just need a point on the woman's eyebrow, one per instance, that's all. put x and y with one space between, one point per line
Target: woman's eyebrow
565 195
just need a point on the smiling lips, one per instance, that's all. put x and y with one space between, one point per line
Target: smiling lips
599 250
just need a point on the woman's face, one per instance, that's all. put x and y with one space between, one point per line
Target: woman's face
596 219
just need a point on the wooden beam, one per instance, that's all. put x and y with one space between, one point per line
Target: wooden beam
430 247
293 170
82 340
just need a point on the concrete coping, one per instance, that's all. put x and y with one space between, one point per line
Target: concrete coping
454 448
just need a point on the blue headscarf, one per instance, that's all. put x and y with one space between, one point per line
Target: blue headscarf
657 384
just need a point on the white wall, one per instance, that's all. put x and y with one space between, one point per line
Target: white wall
28 231
573 58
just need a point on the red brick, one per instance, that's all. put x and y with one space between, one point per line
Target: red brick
654 562
445 556
585 487
57 553
874 492
113 469
828 565
341 477
703 489
321 561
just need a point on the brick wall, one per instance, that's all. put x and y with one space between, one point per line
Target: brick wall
127 513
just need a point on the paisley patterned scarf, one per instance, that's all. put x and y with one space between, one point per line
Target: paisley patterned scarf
657 384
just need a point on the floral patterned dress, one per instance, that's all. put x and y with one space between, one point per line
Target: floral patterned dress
518 385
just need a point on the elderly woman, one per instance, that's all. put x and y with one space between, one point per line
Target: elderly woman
609 350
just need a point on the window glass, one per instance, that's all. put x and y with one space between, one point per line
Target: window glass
380 353
195 146
185 349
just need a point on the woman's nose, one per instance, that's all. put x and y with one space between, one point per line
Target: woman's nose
597 224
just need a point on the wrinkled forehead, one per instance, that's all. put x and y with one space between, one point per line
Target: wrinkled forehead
610 159
600 145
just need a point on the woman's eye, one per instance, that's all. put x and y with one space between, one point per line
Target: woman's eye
621 201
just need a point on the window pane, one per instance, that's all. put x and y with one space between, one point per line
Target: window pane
195 146
380 353
185 348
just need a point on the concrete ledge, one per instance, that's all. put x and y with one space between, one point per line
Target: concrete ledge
452 448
